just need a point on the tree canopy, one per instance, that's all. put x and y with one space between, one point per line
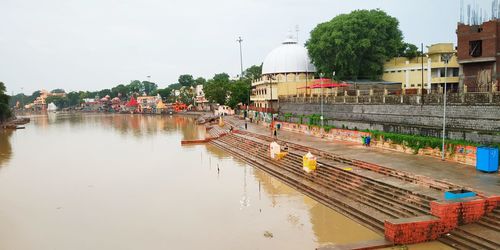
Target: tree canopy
253 73
239 92
409 50
58 91
4 103
216 89
186 80
355 45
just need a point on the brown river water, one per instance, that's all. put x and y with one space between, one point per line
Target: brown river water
90 181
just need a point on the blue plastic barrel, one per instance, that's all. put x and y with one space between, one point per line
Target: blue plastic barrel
487 159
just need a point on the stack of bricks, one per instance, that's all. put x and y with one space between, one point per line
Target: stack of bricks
446 216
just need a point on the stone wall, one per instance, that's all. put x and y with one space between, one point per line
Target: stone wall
478 123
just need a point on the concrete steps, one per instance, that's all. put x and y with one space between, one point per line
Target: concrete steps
369 193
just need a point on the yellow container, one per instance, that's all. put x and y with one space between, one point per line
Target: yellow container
280 155
309 164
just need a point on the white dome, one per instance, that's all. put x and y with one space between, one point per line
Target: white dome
288 58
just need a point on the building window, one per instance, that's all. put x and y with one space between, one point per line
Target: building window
455 72
475 48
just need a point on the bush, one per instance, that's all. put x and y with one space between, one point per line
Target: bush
417 142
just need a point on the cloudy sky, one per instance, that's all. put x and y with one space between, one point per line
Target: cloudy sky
96 44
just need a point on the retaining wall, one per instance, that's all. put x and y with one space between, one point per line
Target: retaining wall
477 123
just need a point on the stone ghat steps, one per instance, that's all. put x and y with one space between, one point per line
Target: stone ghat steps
460 238
439 185
463 239
216 131
376 200
339 204
412 200
491 220
485 234
345 183
379 194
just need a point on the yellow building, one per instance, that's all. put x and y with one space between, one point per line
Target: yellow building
287 70
409 71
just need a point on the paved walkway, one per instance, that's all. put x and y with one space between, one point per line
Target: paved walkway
457 173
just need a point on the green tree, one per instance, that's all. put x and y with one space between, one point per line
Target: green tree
73 98
149 87
239 92
186 80
217 89
176 86
120 90
187 95
136 87
253 73
57 91
165 93
59 101
104 92
355 45
409 50
4 103
200 81
21 98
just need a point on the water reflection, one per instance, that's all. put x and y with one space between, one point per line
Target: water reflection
125 182
5 147
126 124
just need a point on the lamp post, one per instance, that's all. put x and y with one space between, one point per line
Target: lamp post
239 40
445 58
321 82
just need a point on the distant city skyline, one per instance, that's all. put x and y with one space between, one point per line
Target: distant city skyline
92 45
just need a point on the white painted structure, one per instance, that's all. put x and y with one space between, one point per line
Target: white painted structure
288 58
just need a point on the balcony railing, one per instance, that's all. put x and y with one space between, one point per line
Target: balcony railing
265 110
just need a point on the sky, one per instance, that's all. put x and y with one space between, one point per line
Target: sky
97 44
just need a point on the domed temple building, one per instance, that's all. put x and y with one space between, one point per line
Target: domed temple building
287 70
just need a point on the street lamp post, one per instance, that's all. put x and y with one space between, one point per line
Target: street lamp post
239 40
445 58
321 82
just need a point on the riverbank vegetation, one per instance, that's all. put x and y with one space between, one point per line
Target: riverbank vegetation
5 112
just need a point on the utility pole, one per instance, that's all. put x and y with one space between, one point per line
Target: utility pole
445 58
241 56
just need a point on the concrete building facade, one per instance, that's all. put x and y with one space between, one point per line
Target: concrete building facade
409 71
